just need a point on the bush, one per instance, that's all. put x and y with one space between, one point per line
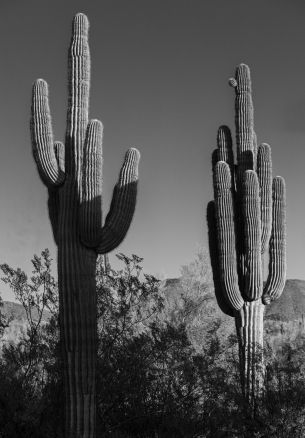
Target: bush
163 370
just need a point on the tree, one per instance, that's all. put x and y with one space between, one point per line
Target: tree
30 380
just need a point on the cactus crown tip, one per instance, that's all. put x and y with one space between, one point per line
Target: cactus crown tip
80 24
250 177
41 86
81 17
223 128
224 133
40 82
242 68
221 164
243 78
96 123
134 152
243 65
264 148
222 167
279 180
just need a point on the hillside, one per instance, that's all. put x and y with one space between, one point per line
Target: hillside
18 325
284 318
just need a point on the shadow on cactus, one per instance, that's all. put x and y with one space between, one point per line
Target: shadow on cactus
246 218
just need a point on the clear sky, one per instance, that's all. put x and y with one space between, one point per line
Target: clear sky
159 82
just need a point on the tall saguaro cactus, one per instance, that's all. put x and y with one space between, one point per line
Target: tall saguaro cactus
73 175
246 218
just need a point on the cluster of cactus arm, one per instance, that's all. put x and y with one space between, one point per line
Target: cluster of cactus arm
79 162
249 209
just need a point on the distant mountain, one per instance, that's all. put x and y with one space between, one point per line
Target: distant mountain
18 312
284 318
18 325
291 304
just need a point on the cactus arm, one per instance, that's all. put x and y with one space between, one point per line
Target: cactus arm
53 207
252 230
244 120
224 143
78 94
214 258
53 200
264 173
91 206
122 205
123 201
277 246
244 128
225 150
255 150
226 234
59 149
50 170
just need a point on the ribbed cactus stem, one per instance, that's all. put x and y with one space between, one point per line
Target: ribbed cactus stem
73 175
249 211
214 256
244 121
252 234
249 328
78 87
224 143
226 234
124 197
49 169
91 205
264 174
277 247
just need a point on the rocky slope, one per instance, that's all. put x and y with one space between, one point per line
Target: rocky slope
18 325
284 318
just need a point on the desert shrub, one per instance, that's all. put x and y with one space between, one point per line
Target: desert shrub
166 367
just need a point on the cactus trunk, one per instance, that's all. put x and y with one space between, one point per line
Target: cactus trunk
78 336
73 176
77 312
249 323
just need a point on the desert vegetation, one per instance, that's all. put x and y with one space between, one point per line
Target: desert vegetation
167 360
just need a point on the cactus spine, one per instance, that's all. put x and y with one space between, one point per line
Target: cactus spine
246 217
73 176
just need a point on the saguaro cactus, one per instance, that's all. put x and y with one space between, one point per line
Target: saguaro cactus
73 176
246 217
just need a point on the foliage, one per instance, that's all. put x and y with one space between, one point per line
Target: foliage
154 379
4 320
30 368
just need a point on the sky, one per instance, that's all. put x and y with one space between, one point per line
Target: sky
159 82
